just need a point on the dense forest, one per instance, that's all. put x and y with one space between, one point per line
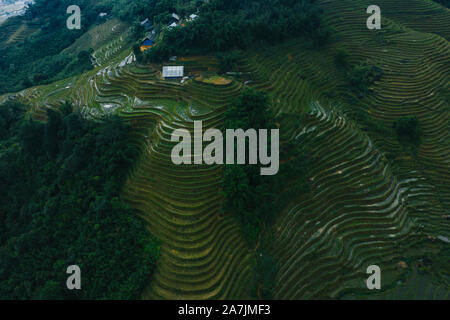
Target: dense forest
60 183
224 25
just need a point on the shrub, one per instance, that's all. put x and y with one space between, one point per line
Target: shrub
341 58
228 60
362 76
408 130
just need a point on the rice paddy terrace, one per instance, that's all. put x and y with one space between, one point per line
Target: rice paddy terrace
362 206
369 203
15 30
203 253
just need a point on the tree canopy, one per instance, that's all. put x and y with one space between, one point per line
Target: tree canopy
60 183
255 199
224 25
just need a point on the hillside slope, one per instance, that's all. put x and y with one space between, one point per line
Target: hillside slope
325 240
371 201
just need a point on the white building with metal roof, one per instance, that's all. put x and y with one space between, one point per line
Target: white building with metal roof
173 72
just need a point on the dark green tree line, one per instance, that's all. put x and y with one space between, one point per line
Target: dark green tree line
60 183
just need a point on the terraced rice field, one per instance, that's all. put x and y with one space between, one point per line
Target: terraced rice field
362 207
15 30
369 202
106 38
353 218
203 253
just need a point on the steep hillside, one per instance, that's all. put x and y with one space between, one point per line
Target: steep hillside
372 201
413 194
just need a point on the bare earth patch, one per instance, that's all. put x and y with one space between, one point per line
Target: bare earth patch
216 80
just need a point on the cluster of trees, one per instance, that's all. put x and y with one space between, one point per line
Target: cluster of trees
228 60
362 76
40 58
408 130
247 193
10 115
445 3
251 196
60 183
341 58
158 10
266 272
254 198
224 25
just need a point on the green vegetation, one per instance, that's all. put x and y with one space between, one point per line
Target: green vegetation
39 59
265 274
10 115
341 58
255 198
445 3
369 200
408 130
362 76
60 184
224 25
247 192
228 60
